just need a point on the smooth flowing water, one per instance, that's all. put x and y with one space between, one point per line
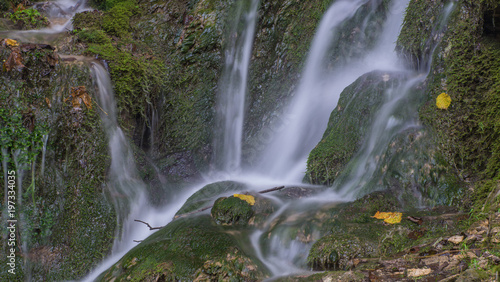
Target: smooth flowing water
320 88
284 161
233 88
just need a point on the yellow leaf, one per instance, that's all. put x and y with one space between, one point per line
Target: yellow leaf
389 217
443 101
248 198
11 42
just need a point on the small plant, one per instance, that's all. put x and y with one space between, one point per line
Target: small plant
28 18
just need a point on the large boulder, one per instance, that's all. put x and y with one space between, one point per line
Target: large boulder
188 249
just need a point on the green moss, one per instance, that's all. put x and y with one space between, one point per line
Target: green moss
88 20
28 19
184 250
93 36
231 211
117 20
137 79
347 127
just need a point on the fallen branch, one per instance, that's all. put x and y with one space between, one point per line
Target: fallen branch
150 228
271 190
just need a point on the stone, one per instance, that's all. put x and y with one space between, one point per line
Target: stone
418 272
456 239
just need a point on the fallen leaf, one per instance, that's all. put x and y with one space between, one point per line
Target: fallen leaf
248 198
443 101
389 217
14 61
80 94
48 102
11 42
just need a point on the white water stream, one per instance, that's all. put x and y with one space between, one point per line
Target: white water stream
320 88
233 88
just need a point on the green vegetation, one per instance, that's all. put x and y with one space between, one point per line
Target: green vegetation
187 249
348 125
231 211
28 18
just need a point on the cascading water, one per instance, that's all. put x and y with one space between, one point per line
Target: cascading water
231 105
284 160
320 88
315 99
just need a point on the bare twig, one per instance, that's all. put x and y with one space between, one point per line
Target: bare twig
150 228
272 189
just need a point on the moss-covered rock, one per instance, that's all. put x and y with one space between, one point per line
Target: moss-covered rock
280 52
336 252
348 125
465 66
207 195
413 169
231 211
192 248
68 224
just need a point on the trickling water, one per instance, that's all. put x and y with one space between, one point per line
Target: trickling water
126 189
396 115
233 88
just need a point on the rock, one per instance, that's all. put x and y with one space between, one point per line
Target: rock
231 211
348 126
337 252
207 195
419 272
456 239
188 249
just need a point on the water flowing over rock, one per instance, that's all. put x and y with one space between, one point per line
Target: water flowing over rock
250 140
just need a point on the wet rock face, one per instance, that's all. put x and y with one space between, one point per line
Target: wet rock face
348 126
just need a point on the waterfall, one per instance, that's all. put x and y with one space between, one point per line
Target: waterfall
233 87
126 189
319 90
316 97
395 115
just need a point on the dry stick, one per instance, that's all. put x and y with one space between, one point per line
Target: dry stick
206 208
150 228
100 108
